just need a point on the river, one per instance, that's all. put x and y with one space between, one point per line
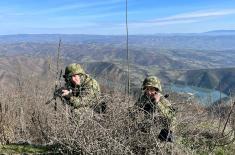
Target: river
205 96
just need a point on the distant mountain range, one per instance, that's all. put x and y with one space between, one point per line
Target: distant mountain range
213 40
152 58
221 32
13 71
188 59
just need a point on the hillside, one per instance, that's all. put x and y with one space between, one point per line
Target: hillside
142 56
13 69
31 126
41 128
220 79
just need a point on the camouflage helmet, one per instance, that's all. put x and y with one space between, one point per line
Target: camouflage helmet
73 69
152 81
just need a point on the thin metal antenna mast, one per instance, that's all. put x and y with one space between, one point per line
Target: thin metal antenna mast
58 73
127 50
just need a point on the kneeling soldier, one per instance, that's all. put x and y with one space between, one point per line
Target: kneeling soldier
156 107
80 91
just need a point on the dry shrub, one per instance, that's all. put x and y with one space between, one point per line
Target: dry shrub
7 122
19 108
112 132
26 117
200 129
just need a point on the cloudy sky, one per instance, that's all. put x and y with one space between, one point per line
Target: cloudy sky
108 16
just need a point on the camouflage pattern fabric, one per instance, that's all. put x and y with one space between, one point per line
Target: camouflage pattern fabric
152 81
162 111
73 69
84 95
151 118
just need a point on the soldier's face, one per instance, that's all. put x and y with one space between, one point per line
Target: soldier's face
150 91
76 80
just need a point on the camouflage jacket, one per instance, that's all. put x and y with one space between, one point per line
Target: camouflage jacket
162 110
84 95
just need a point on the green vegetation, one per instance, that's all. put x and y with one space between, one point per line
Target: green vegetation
21 148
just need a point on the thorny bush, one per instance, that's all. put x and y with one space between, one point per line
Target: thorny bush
24 116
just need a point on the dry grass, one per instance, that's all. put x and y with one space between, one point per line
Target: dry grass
24 116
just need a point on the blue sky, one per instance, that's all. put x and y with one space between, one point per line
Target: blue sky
108 16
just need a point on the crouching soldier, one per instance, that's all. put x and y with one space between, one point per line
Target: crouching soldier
81 91
157 109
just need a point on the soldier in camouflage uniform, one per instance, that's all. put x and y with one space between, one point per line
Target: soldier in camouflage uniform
81 90
156 108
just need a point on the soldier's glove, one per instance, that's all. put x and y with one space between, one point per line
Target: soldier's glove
58 92
166 135
67 97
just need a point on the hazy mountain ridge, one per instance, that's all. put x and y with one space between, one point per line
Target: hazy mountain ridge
106 56
14 68
220 79
149 57
221 32
169 41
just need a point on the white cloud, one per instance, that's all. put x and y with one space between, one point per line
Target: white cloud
150 24
79 6
189 17
107 4
88 17
193 15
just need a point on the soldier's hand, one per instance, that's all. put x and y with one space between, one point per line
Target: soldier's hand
66 92
157 97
